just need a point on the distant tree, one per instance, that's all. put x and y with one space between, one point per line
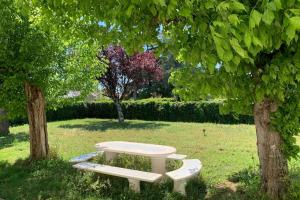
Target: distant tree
125 74
145 70
162 88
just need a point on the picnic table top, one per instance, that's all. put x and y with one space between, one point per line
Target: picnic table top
151 150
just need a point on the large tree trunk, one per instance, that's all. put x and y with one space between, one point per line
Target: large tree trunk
273 164
39 148
4 125
120 112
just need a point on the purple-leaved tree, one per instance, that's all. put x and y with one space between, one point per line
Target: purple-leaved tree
126 74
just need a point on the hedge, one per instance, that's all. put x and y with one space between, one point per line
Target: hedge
154 110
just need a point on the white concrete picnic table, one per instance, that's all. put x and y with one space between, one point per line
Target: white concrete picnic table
157 153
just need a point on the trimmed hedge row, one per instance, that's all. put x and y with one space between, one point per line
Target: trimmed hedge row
154 110
150 110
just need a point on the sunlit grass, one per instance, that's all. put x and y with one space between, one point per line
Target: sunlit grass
223 149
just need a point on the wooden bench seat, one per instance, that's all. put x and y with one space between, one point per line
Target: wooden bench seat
134 176
85 157
176 156
189 169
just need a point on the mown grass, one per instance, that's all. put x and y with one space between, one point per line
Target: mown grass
225 151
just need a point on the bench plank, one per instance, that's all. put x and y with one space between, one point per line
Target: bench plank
118 171
85 157
189 168
176 156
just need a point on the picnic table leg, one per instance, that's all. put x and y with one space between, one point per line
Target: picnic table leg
179 186
158 165
134 185
110 155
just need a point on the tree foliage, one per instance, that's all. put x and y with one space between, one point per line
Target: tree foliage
27 54
41 57
162 88
127 73
254 45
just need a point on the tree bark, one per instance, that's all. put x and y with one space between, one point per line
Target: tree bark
120 112
39 147
134 92
4 124
273 163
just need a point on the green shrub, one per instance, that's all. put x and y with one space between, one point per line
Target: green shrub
163 109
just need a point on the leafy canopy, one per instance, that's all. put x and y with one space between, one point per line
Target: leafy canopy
30 53
245 50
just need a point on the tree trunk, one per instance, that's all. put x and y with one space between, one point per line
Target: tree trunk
120 112
273 164
134 92
4 125
39 147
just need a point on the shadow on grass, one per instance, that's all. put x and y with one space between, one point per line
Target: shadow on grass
241 185
111 125
9 140
35 180
56 179
246 183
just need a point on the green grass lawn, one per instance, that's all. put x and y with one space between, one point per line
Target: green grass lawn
224 150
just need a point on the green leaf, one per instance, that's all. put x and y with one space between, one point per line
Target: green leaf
219 49
129 10
171 7
271 6
255 18
295 11
185 12
219 23
228 55
233 19
236 60
256 41
247 39
212 61
222 47
209 4
160 2
295 22
235 5
278 4
236 46
268 17
298 77
291 33
265 78
223 6
227 67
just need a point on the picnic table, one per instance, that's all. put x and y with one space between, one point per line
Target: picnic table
157 153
